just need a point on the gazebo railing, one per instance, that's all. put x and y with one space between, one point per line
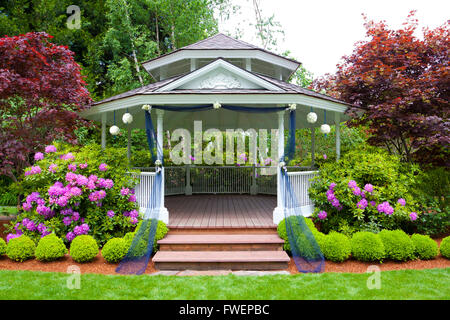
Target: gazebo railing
144 188
300 182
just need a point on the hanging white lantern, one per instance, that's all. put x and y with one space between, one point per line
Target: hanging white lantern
325 128
147 107
114 130
311 117
292 107
217 105
127 118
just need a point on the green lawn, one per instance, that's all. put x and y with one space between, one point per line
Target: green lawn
7 211
402 284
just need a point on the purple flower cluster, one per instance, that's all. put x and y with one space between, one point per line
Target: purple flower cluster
50 149
413 216
362 204
68 156
33 170
38 156
110 213
83 229
385 208
72 167
83 165
322 215
402 201
103 167
52 168
331 197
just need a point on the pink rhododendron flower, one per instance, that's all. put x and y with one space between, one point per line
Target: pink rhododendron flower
110 213
352 184
325 156
124 191
413 216
108 184
402 201
362 204
70 236
132 198
38 156
83 165
50 148
103 167
72 167
52 168
322 215
368 187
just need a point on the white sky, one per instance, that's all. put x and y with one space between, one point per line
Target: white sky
318 33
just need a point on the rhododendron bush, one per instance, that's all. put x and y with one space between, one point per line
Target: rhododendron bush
76 192
365 190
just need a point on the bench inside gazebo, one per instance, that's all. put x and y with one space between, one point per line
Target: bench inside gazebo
236 78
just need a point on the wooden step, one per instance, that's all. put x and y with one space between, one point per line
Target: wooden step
222 230
221 242
221 260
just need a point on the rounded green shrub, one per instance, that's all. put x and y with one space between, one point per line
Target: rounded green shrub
161 231
425 248
2 247
20 249
336 247
281 229
397 244
445 247
114 250
83 248
367 246
50 248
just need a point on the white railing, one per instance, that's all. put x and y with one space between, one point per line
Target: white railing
144 188
300 183
226 179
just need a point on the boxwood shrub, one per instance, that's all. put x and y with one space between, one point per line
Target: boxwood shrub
50 248
397 244
445 247
2 247
114 250
281 229
425 248
83 248
20 249
336 247
367 246
161 231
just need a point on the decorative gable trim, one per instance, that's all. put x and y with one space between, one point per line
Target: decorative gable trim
221 80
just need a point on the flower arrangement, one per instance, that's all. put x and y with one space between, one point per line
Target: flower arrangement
77 194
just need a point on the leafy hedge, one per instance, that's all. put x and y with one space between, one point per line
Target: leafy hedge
281 229
20 249
114 250
336 247
445 247
397 244
72 191
367 246
425 248
50 248
83 248
365 191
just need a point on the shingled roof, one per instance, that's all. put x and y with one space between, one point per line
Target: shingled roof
221 41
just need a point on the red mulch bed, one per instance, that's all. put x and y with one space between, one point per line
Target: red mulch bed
100 266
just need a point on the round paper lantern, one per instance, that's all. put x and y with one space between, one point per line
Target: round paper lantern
114 130
325 128
127 118
311 117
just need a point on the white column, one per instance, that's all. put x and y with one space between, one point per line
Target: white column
278 212
103 130
248 64
193 64
129 142
337 119
163 213
313 146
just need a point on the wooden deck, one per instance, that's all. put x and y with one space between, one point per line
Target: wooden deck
220 211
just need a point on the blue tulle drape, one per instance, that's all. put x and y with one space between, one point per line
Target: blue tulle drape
304 248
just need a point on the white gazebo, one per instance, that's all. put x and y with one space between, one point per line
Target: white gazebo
221 70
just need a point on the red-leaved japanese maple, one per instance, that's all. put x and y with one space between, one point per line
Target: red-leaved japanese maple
41 89
403 82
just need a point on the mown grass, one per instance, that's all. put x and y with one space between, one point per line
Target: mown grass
8 211
402 284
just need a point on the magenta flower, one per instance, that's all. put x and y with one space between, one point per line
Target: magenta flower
332 185
76 192
110 213
68 156
325 156
402 201
132 198
368 187
413 216
362 204
373 203
356 191
133 214
67 221
322 215
33 170
50 148
38 156
124 191
352 184
75 216
82 180
70 236
108 184
386 208
91 185
103 167
62 201
93 178
133 220
83 165
72 167
52 168
26 206
12 236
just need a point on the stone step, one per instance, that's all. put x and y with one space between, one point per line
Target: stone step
221 242
222 230
221 260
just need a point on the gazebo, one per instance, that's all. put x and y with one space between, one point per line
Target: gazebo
219 71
